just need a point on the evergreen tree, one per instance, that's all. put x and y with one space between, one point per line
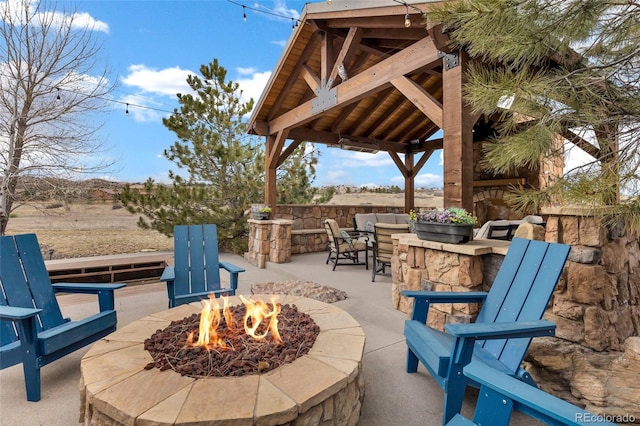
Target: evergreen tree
555 67
221 168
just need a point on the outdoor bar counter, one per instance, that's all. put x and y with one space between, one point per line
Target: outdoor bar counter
429 265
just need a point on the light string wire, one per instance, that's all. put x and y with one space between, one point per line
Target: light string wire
266 12
59 93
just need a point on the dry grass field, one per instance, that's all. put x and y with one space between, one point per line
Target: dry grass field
98 229
86 230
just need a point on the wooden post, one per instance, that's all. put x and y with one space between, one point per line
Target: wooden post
409 183
458 137
270 190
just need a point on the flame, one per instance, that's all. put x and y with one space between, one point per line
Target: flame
257 313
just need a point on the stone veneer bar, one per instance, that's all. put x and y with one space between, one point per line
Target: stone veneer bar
323 387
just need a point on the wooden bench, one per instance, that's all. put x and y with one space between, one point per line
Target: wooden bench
500 394
110 268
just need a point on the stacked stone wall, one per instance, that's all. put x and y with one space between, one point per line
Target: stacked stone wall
308 234
597 303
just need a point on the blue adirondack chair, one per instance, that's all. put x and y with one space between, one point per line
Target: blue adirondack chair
510 316
500 394
196 270
32 329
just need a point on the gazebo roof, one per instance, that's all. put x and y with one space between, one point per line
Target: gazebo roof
348 41
371 76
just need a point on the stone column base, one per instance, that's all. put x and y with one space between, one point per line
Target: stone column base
269 240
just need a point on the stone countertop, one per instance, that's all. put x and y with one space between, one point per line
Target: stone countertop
472 248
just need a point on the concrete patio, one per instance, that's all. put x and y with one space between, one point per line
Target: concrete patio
392 397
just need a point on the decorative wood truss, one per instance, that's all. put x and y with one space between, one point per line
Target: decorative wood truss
355 76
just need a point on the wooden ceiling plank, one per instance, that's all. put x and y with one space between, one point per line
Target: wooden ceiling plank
381 97
420 98
364 84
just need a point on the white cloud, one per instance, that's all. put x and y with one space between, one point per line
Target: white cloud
167 81
281 43
81 20
84 20
246 70
281 8
254 86
351 159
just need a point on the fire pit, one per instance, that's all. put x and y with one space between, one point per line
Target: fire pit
324 386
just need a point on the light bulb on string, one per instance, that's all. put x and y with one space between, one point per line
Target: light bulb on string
58 96
244 13
329 1
407 19
126 111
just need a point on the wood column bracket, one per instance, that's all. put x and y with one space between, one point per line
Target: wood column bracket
451 60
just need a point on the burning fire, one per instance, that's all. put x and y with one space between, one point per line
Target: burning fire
258 313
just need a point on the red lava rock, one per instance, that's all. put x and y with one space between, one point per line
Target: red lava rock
243 356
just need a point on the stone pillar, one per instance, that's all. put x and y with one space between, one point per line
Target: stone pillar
423 265
597 304
269 240
280 241
259 237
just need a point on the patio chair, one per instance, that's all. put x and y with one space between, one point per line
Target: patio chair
345 246
500 394
196 270
510 316
383 245
32 329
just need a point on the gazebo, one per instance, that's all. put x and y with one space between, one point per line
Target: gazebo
369 76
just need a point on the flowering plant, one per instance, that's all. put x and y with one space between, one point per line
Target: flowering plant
450 215
260 208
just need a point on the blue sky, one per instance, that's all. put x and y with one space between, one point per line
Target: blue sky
151 46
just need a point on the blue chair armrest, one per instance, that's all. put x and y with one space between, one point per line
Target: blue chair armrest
13 313
106 299
169 274
422 300
233 269
502 330
447 296
527 399
85 288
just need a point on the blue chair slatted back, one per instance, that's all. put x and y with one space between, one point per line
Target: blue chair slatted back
528 264
25 282
197 267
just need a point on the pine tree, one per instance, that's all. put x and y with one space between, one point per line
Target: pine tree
554 67
220 168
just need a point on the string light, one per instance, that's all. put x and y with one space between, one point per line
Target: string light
244 13
407 19
126 111
58 96
329 1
